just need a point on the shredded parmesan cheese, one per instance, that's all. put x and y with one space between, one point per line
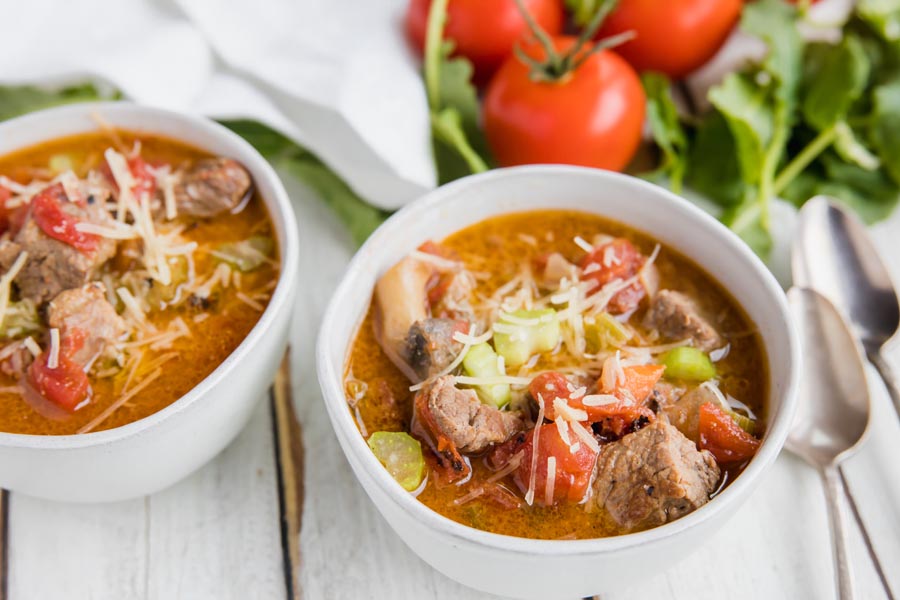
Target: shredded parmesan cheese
551 481
514 462
585 436
568 413
53 358
583 244
90 426
599 400
449 368
442 264
32 346
464 338
535 439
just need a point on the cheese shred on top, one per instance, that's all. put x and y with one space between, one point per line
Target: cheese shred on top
53 358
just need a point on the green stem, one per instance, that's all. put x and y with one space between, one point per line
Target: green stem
541 36
812 150
770 164
452 133
434 35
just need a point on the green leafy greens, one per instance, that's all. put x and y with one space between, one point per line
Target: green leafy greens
808 119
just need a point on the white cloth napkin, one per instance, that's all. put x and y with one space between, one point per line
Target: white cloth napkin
336 77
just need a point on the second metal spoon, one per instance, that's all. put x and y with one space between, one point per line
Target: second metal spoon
833 411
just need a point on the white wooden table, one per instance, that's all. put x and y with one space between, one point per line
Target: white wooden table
217 536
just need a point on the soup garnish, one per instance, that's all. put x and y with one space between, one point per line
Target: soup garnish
132 266
555 387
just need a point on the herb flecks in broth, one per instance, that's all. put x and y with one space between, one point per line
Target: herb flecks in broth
134 265
564 376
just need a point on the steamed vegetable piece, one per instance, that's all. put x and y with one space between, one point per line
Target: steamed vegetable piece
248 254
689 364
482 361
401 455
604 331
521 334
722 436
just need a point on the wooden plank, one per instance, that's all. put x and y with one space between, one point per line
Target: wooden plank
288 442
217 534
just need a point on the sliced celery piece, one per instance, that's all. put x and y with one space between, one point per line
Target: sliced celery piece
604 331
401 455
517 342
689 364
481 361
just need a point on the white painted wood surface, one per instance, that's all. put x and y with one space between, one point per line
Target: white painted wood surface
216 534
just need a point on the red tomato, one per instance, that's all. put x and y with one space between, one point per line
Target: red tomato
144 181
723 437
48 213
67 384
592 117
617 417
618 259
639 381
484 31
572 470
674 37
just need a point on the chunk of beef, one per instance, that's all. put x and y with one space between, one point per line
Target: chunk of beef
87 310
664 394
685 413
211 186
676 316
653 476
460 417
430 346
54 265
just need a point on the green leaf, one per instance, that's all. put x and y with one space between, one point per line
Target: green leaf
747 109
745 220
775 22
18 100
872 194
883 16
667 131
835 78
713 169
884 127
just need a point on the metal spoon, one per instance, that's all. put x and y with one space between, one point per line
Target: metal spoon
833 410
834 255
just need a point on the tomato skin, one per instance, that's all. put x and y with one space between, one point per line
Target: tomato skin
484 31
46 208
626 264
674 37
573 471
144 181
67 385
593 117
723 437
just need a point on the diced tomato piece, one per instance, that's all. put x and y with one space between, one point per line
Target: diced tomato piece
619 418
723 437
550 386
572 472
618 259
440 282
49 215
144 181
67 384
639 381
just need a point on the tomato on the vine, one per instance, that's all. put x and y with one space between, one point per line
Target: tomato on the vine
591 116
674 37
484 31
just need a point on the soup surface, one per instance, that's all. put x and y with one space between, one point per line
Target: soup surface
116 304
557 375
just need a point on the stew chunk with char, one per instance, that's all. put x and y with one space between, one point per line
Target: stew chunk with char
556 375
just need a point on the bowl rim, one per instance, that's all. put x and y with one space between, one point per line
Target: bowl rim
330 374
279 207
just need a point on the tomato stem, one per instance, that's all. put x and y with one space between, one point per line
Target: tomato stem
556 66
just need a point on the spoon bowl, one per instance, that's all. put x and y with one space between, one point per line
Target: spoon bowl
833 410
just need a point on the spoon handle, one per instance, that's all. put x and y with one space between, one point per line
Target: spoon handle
839 535
887 375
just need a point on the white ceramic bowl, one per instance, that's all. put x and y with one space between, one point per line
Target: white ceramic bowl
155 452
521 567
